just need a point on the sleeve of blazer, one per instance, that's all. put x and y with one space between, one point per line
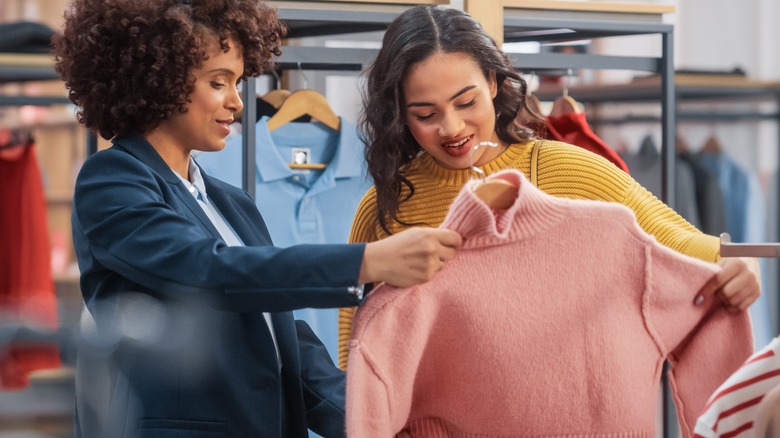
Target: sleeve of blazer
130 228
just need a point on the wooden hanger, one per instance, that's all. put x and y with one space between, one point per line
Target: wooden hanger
496 193
275 97
304 102
682 145
712 145
563 105
533 104
300 103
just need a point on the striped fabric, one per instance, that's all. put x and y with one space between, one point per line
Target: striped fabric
732 409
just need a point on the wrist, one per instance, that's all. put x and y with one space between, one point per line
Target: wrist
366 274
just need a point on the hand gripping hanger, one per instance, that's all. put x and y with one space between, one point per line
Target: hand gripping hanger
497 193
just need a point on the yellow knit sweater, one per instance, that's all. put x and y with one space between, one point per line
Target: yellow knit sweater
563 170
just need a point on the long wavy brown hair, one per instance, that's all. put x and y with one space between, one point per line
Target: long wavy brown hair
412 37
127 64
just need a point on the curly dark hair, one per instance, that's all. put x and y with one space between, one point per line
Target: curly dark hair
412 37
127 64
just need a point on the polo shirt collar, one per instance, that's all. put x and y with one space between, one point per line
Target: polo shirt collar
347 160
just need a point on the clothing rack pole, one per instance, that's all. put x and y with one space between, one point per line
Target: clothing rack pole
668 181
668 122
248 145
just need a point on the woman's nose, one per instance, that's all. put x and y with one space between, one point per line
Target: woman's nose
450 126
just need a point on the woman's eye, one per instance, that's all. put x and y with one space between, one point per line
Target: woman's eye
424 118
217 84
468 104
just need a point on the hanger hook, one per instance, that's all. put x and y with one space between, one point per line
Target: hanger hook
566 81
471 157
305 79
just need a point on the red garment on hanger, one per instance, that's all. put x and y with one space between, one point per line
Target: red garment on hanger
27 293
573 128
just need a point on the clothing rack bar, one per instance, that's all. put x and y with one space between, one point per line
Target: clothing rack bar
33 100
729 249
689 116
547 60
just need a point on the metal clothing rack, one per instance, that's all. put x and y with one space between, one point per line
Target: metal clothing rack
729 249
694 88
519 20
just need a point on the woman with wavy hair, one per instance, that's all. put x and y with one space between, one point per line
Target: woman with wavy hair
438 87
191 331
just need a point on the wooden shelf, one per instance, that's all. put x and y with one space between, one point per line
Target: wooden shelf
591 6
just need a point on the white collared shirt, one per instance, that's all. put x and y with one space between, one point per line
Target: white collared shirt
198 190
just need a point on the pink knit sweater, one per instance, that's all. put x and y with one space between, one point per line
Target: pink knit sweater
553 320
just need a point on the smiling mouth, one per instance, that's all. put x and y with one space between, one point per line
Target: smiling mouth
457 144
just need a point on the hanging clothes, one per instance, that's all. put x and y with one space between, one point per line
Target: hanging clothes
734 407
302 206
27 295
645 167
25 37
709 197
500 342
745 213
573 128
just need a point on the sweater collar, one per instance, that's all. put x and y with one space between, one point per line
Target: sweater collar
532 212
458 177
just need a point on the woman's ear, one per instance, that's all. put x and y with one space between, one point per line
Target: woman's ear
492 84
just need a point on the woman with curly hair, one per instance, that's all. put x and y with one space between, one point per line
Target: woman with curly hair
439 86
192 331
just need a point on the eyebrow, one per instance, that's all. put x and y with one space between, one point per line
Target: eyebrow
454 96
223 70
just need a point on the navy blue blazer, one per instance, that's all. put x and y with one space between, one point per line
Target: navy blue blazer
180 346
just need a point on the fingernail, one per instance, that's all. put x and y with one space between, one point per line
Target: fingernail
698 300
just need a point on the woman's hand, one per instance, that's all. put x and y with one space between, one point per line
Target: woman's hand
738 284
408 258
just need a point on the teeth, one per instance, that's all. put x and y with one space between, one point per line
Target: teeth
458 144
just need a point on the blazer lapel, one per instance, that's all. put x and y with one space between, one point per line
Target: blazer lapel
251 234
137 146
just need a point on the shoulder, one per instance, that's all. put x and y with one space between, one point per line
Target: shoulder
558 150
388 308
111 164
569 171
368 202
365 222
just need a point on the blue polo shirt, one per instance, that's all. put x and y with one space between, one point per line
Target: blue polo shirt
302 206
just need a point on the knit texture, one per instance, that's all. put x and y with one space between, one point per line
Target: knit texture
573 128
554 319
563 171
